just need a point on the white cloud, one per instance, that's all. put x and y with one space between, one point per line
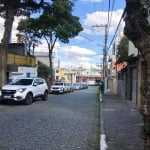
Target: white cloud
69 55
42 47
77 51
13 37
100 18
72 64
80 38
75 56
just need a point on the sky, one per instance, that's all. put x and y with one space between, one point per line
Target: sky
86 49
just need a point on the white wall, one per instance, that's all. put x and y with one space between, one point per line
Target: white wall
132 49
23 72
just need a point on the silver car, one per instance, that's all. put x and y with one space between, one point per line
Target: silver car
70 87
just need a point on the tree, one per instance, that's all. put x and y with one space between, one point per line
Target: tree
43 70
56 23
30 41
8 10
123 49
137 29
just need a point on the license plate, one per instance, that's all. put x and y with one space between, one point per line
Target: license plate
7 96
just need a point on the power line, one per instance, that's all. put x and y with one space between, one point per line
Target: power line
117 29
91 40
109 22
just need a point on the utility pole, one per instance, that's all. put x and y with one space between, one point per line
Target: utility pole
104 54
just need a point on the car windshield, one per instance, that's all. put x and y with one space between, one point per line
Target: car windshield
76 84
22 82
58 83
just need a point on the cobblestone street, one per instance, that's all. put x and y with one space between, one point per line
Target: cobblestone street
65 122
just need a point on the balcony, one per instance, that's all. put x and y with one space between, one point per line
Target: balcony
28 61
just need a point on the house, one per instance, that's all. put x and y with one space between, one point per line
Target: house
42 59
113 67
129 77
67 75
124 77
90 75
19 64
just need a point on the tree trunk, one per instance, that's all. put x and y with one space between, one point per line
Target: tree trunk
3 66
5 45
145 106
137 29
51 74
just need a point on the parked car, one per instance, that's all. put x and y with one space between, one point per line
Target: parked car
77 86
58 87
84 85
70 87
25 89
0 92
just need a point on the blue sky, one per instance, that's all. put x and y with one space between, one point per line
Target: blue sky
86 49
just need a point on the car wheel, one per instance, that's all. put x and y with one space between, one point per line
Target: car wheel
62 92
29 98
45 96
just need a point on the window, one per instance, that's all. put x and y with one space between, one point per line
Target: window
57 71
41 81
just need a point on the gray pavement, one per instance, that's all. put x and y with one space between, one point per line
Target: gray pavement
121 123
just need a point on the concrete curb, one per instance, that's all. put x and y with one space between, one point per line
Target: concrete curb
103 144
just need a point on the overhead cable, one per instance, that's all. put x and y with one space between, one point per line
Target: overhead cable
109 22
117 29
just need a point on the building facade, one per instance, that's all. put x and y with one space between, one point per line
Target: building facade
19 64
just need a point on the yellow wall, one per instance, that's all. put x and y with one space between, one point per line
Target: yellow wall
67 76
21 60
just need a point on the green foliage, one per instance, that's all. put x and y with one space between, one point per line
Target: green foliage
123 49
8 10
55 23
43 70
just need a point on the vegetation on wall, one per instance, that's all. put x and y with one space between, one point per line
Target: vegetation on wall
123 49
43 70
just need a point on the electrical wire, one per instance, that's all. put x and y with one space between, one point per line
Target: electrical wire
91 40
116 29
109 22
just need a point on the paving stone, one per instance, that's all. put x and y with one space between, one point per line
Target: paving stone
122 123
63 122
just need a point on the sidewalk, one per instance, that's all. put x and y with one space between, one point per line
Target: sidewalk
120 123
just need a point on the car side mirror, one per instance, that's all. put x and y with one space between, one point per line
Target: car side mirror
34 84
